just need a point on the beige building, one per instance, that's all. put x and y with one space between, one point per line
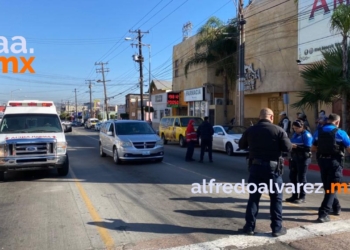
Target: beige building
271 47
201 90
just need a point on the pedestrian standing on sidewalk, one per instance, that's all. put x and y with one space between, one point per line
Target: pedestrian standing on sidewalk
300 160
205 131
191 139
330 143
265 142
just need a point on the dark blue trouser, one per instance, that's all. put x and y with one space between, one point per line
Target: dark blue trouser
331 172
297 174
190 150
263 174
206 143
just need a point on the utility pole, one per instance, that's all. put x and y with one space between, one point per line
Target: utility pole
139 59
68 109
103 70
76 105
90 112
241 23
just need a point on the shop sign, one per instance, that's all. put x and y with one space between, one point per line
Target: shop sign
158 98
194 95
173 100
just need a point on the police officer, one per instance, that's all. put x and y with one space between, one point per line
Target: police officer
266 142
330 143
284 122
300 160
205 131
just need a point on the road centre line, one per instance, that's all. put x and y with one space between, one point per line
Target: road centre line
261 239
104 234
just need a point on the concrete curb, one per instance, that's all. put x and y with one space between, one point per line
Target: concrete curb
315 167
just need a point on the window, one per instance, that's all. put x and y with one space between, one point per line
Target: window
185 121
155 114
30 123
171 122
177 122
176 73
164 122
161 114
133 128
176 63
217 130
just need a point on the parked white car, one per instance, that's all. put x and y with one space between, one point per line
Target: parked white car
226 139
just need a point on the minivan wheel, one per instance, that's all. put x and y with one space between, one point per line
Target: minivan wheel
115 156
182 141
102 154
229 149
163 138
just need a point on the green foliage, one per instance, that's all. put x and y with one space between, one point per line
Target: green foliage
99 116
216 47
112 116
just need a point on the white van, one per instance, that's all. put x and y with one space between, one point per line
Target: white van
32 137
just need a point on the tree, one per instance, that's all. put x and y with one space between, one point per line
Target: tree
324 81
340 22
112 116
216 49
124 116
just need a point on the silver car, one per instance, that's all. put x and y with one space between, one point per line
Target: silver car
130 140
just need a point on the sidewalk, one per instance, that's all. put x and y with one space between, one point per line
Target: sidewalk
314 166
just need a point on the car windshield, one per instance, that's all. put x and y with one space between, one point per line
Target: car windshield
232 130
94 120
133 128
185 121
30 123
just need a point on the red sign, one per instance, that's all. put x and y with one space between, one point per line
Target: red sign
173 100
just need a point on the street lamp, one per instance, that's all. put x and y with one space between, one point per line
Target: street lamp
14 91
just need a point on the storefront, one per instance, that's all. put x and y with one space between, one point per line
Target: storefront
197 105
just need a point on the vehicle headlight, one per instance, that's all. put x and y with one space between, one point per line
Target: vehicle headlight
160 142
3 150
125 144
61 147
236 141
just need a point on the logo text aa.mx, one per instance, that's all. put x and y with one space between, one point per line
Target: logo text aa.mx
19 46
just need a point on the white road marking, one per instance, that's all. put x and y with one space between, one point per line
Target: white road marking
293 234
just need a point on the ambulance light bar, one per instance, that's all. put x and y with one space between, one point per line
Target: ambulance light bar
30 104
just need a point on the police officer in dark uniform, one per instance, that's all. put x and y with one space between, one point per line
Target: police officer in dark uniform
266 142
300 160
330 143
205 131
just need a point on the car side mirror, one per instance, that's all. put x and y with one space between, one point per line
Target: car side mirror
67 129
110 133
220 133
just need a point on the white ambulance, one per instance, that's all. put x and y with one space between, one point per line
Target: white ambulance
32 137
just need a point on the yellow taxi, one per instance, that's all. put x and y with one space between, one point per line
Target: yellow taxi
173 128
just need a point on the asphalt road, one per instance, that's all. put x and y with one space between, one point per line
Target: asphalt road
100 205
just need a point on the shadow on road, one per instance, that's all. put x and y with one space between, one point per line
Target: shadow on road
120 225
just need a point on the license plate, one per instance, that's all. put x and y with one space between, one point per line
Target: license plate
146 153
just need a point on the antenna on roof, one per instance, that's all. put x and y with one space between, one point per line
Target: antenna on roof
186 30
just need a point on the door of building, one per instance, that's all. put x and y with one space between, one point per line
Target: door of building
277 106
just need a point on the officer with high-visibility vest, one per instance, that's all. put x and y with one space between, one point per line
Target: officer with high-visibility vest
330 143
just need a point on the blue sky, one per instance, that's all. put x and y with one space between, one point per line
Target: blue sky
68 37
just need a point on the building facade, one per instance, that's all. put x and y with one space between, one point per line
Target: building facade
201 91
271 52
133 106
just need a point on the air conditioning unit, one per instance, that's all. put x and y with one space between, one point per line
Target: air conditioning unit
219 101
